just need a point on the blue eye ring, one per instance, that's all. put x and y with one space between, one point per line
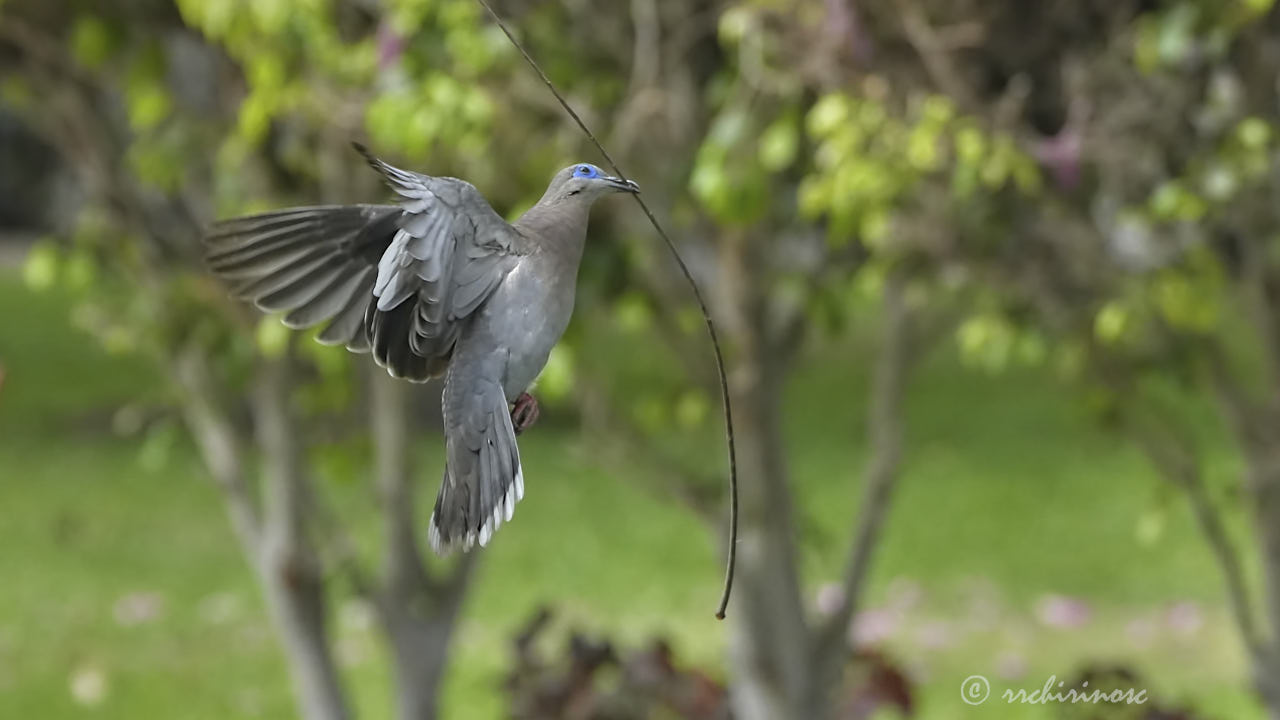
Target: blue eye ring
585 171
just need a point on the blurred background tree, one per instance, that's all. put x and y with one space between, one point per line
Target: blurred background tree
1075 190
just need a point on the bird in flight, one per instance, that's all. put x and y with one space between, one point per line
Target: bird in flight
437 284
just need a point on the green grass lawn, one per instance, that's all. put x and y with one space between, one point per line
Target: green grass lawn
120 582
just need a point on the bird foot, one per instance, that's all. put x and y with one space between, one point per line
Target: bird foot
524 413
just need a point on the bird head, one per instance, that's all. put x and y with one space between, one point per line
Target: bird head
586 182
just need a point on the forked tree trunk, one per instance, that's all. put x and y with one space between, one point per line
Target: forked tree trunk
418 610
784 666
1255 424
419 629
769 643
272 537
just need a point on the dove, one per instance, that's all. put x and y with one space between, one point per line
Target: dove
437 284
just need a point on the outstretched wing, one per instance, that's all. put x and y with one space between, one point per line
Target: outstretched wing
400 279
316 264
450 253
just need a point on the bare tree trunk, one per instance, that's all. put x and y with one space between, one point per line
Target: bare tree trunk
417 612
275 531
274 538
419 626
1256 427
1264 484
769 645
884 443
287 562
220 444
769 642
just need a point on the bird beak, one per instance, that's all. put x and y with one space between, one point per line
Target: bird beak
620 185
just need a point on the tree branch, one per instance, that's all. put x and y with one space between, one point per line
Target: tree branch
286 496
389 422
934 51
292 576
1253 283
220 444
1256 427
1176 463
885 438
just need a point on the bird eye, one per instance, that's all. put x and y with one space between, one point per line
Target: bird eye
585 171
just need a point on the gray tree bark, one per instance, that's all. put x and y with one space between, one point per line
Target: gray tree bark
1257 430
273 537
769 640
273 521
1264 472
1254 418
287 561
784 665
885 431
418 610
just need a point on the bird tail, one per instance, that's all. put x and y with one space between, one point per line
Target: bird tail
483 479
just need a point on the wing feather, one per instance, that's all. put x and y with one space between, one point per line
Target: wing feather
314 263
451 252
401 280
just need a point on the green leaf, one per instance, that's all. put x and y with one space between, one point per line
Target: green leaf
270 15
986 342
633 314
828 114
779 144
91 42
213 17
691 409
40 271
157 163
1176 35
272 337
735 23
970 145
874 228
1110 322
1220 182
1254 133
255 118
266 72
148 107
937 111
729 128
922 149
1173 201
814 196
79 271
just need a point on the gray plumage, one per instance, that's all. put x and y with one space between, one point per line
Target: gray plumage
438 284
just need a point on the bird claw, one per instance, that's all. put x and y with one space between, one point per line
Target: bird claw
524 413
